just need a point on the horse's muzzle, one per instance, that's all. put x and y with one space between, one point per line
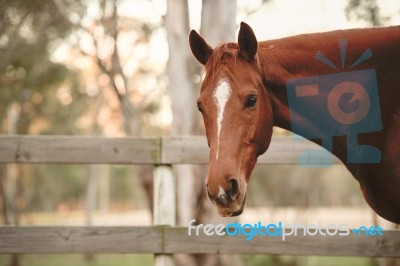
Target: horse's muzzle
234 213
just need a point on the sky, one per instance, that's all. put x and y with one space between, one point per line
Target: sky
282 18
276 19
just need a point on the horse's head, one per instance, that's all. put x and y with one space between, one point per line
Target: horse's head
237 116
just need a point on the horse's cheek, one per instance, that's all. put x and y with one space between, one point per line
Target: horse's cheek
264 134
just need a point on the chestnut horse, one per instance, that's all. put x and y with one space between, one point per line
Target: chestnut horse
244 94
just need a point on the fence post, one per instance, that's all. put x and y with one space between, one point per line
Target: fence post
164 209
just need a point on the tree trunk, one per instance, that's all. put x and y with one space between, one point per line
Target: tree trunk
104 187
181 89
3 195
91 192
129 112
14 177
182 93
218 21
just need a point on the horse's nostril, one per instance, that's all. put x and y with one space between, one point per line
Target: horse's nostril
234 188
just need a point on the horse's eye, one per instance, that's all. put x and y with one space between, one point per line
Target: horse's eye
251 101
199 108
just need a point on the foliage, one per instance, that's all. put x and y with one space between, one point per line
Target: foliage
367 10
29 79
50 186
97 33
296 186
50 96
54 187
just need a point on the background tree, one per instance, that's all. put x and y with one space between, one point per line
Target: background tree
102 28
367 10
28 86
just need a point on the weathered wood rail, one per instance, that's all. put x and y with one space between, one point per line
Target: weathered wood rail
170 240
164 238
155 151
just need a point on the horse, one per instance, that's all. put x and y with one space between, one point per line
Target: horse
247 89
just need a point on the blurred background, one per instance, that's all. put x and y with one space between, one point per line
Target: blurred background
124 68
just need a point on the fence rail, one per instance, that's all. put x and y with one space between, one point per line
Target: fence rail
170 240
178 150
160 239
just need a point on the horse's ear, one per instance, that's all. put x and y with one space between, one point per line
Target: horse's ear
200 48
247 42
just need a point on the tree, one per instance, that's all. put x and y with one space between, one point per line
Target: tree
28 77
367 10
103 30
29 80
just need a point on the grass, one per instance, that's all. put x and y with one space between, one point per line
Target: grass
262 260
147 260
81 260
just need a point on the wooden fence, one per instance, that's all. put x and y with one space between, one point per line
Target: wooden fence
155 151
164 238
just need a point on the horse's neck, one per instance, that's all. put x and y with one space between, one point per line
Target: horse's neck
282 61
295 57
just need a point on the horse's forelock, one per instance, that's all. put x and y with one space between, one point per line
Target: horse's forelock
225 54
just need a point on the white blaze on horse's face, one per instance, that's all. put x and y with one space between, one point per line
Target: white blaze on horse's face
222 93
